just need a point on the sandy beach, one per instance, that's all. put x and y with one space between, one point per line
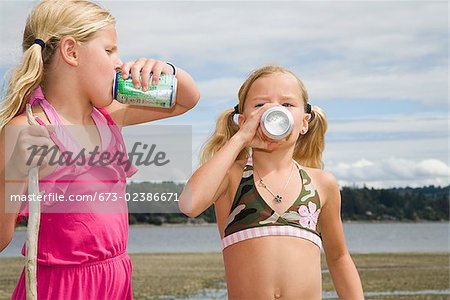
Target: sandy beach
156 275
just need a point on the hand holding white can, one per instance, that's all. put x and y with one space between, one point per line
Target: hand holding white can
277 123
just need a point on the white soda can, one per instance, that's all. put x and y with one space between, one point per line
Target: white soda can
277 123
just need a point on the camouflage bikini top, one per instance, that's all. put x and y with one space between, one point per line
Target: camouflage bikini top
252 217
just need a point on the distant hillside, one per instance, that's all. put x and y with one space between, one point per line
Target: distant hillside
397 204
404 204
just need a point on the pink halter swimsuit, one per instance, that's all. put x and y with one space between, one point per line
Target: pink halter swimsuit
82 255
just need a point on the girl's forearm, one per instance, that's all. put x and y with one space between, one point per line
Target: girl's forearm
8 219
206 184
187 91
346 278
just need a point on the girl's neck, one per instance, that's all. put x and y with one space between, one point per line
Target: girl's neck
70 104
275 161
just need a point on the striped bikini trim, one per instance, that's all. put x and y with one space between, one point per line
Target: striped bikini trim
270 231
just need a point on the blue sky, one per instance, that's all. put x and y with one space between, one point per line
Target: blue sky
378 69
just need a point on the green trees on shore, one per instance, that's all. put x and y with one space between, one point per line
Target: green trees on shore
396 204
402 204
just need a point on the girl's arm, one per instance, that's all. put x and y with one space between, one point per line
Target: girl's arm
14 170
342 269
187 93
211 180
8 220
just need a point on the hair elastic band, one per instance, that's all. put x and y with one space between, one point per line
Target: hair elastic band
40 43
236 109
309 111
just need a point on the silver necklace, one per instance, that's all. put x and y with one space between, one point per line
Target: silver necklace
277 197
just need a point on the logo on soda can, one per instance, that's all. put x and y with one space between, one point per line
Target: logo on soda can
162 95
277 122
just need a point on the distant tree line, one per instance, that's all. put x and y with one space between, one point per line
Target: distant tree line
396 204
401 204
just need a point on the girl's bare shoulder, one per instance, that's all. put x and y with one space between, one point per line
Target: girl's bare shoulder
18 120
235 175
22 118
324 181
320 176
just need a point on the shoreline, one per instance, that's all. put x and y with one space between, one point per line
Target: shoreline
175 225
158 275
343 222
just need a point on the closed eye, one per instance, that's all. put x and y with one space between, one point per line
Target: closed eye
287 105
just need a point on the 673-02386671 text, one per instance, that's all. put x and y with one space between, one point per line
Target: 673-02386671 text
101 197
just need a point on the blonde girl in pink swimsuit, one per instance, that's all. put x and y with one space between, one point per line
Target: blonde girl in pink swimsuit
274 205
69 59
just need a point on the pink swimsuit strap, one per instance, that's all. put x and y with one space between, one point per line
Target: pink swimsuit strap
38 98
99 115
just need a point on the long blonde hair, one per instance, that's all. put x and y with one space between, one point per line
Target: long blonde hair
309 147
49 21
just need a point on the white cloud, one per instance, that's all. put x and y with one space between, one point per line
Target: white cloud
220 91
345 50
392 124
414 137
342 50
426 86
412 149
392 172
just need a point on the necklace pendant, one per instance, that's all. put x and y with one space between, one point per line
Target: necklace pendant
278 198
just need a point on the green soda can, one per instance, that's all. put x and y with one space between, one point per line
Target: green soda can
162 95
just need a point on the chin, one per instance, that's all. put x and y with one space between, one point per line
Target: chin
284 146
107 103
102 103
274 148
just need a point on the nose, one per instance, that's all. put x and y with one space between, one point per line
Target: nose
117 63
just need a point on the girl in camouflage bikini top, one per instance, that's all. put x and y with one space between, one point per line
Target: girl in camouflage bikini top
285 262
252 217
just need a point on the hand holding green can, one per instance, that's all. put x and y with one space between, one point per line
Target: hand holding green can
161 95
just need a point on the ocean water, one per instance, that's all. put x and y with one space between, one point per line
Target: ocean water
360 238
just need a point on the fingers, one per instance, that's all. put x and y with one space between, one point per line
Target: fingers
38 160
145 74
36 130
37 151
126 67
260 134
30 142
261 110
153 68
259 139
157 69
255 116
141 70
136 72
33 147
